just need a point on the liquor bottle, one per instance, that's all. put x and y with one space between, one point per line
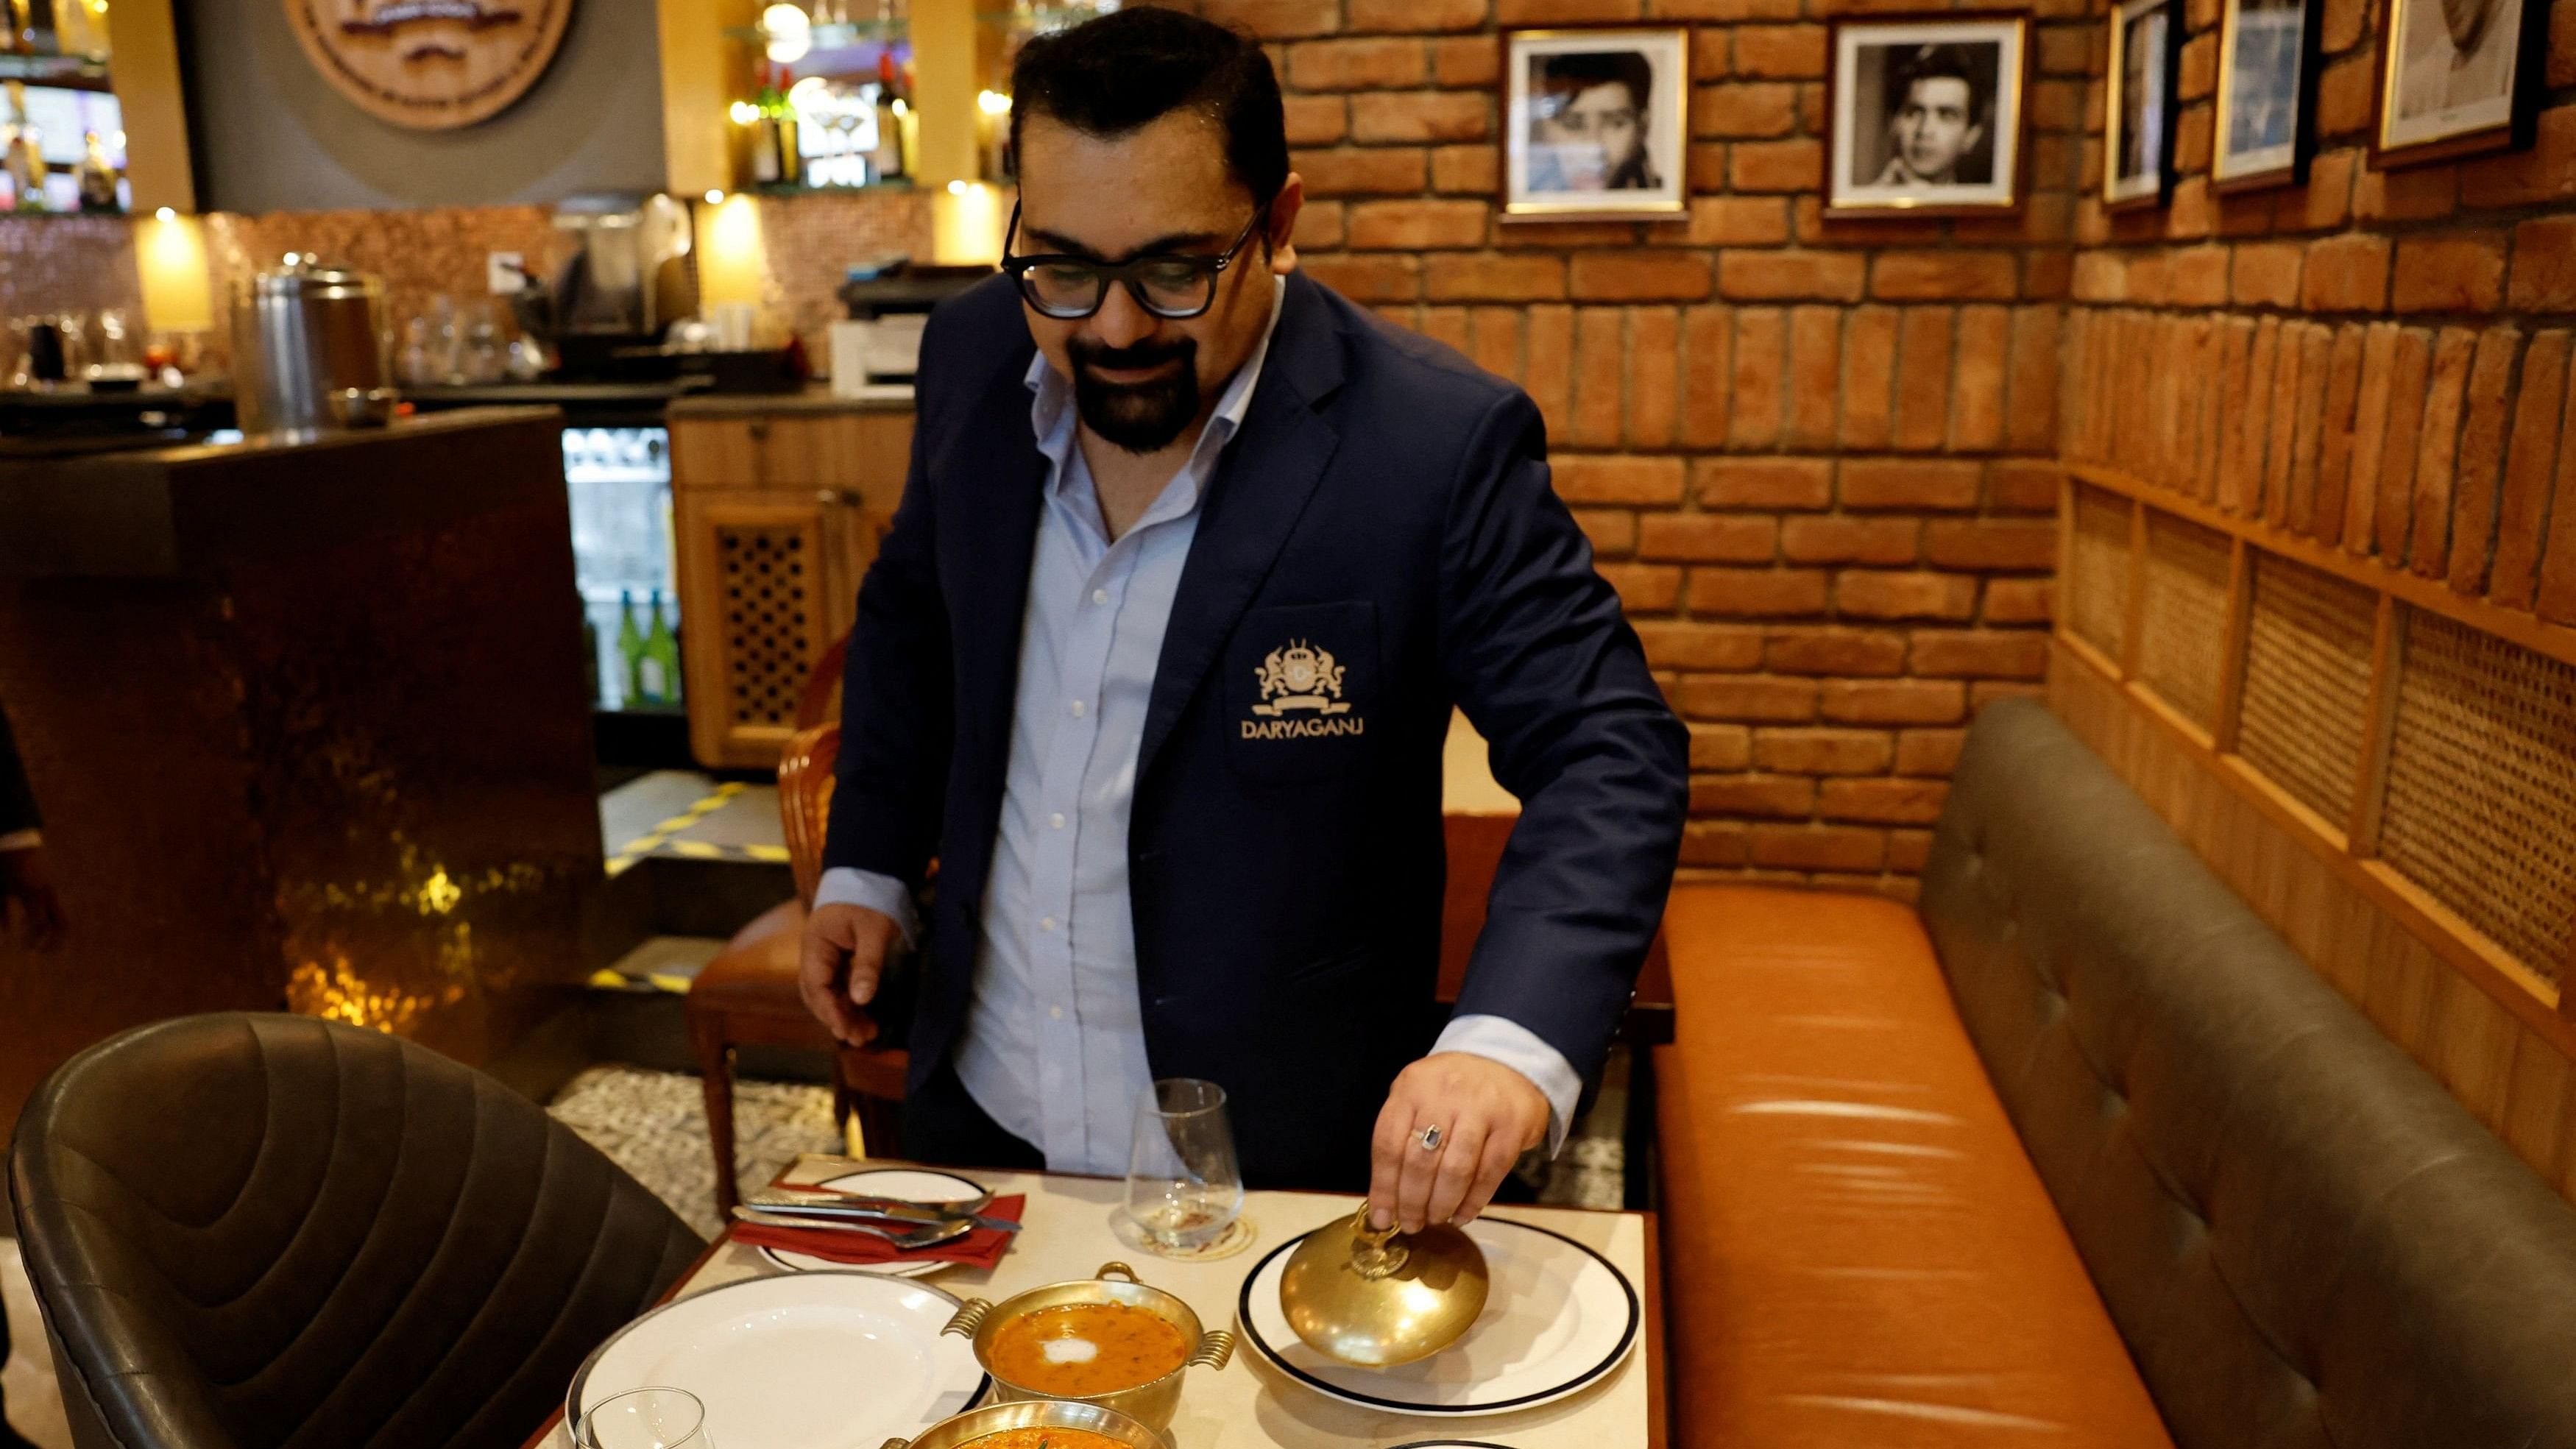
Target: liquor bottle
630 649
887 163
764 131
782 132
661 659
97 177
26 160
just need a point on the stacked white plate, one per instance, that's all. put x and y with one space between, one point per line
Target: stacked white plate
820 1360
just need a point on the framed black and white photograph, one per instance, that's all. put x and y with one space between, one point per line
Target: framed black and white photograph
1596 123
1925 114
2456 77
2139 110
2267 71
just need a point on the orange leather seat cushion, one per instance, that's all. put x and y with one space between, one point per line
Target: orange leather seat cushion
1856 1249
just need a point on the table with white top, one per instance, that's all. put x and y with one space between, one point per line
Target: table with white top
1070 1231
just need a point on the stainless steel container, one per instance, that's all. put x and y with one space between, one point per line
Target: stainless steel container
310 349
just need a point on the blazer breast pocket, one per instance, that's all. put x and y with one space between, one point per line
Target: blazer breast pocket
1300 684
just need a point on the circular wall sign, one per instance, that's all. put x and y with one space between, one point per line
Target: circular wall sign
430 64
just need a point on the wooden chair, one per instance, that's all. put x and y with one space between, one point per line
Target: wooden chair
747 995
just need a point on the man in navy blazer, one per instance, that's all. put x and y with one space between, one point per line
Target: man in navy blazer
1157 659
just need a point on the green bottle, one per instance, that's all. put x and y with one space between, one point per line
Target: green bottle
630 650
661 666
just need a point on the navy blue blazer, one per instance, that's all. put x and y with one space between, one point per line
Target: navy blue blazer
1384 502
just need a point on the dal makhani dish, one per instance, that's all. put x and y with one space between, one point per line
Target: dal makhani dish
1082 1349
1051 1438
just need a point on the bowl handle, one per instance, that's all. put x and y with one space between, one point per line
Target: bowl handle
896 1444
1214 1349
964 1323
1121 1269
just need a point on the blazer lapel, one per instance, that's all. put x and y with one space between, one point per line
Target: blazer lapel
1270 470
999 480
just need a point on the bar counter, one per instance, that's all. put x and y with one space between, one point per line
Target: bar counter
307 725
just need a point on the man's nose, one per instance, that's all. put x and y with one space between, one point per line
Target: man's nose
1120 322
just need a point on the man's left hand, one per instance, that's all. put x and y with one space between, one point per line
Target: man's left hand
1488 1115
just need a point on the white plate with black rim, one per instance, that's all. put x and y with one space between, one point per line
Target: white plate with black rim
821 1360
904 1184
1558 1318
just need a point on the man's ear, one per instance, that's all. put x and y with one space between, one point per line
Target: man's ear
1283 224
1969 142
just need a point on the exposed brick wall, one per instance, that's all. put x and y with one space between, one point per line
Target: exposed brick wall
1815 458
2376 359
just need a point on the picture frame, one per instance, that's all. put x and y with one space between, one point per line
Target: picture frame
1926 113
2457 80
2269 61
2140 109
1596 123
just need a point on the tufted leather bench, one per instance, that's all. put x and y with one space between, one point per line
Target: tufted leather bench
2082 1153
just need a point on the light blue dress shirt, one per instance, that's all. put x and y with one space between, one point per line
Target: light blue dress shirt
1054 1045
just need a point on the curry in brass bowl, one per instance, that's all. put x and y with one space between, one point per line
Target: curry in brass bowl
1377 1299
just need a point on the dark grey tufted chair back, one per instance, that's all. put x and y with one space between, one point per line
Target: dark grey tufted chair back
254 1231
2303 1238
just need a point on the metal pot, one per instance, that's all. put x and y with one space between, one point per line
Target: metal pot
310 349
1152 1403
964 1429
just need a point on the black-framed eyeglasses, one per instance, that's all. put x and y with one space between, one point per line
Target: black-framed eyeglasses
1172 285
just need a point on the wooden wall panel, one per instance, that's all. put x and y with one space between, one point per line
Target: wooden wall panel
2513 1078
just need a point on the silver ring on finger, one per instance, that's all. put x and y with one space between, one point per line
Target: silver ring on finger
1430 1138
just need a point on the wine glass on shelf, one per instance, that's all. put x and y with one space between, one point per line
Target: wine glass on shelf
1184 1188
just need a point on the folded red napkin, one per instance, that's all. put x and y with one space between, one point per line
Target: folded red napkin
980 1248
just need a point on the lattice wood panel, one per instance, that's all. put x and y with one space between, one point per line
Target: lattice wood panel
2182 621
2307 683
2097 604
767 575
2481 807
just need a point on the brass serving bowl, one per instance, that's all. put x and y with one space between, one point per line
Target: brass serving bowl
1151 1403
961 1430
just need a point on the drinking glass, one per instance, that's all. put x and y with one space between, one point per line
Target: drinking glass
645 1419
1183 1186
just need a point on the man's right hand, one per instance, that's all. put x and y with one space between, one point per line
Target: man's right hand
843 958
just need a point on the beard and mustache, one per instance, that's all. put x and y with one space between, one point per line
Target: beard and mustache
1141 417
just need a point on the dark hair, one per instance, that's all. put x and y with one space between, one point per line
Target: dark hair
1110 76
1583 69
1937 62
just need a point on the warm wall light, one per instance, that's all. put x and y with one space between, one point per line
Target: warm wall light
966 224
789 32
715 197
733 265
170 261
743 113
993 103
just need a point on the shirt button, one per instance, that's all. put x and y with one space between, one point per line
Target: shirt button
1057 821
1046 923
1100 596
1077 709
1055 1013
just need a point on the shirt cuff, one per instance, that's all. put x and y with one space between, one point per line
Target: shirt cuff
22 840
1501 1039
845 885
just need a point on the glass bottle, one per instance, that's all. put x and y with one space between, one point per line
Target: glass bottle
661 667
97 176
630 647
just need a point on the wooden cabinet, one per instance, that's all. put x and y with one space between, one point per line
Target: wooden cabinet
778 517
